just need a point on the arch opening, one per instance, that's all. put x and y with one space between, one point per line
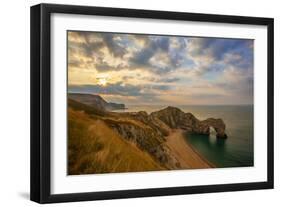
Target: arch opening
212 132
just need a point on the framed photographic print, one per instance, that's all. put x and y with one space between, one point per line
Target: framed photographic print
132 103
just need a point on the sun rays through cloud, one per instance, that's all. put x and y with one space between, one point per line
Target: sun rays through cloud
158 69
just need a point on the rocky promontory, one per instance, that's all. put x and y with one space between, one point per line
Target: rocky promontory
151 133
175 118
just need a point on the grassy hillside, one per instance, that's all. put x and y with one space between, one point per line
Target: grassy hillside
108 142
93 147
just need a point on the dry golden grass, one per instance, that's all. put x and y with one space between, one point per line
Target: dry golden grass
93 147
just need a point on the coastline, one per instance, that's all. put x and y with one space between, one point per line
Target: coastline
188 157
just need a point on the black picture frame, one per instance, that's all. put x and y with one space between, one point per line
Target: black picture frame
41 96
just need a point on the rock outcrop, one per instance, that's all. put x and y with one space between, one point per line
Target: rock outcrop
146 137
217 124
147 131
175 118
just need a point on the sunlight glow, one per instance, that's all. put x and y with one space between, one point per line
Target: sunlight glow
102 81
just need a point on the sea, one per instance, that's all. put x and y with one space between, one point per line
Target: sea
235 151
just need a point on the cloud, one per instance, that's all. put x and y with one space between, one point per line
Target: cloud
158 54
120 89
218 47
114 45
169 80
154 67
86 42
237 82
92 42
210 52
161 54
100 51
108 52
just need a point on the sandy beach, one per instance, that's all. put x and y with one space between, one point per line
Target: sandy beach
184 152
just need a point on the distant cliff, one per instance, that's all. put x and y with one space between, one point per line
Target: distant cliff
95 101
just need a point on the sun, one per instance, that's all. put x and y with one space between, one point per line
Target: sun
102 81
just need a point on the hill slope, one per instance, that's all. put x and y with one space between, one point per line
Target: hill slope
100 141
95 101
93 147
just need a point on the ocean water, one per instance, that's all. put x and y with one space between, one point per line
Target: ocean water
236 150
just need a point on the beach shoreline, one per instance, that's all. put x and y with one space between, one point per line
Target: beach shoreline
188 157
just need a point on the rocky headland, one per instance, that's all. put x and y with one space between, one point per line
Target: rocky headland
95 101
159 134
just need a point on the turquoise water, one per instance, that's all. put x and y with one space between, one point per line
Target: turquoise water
236 150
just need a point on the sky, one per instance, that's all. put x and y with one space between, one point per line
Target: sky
161 70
